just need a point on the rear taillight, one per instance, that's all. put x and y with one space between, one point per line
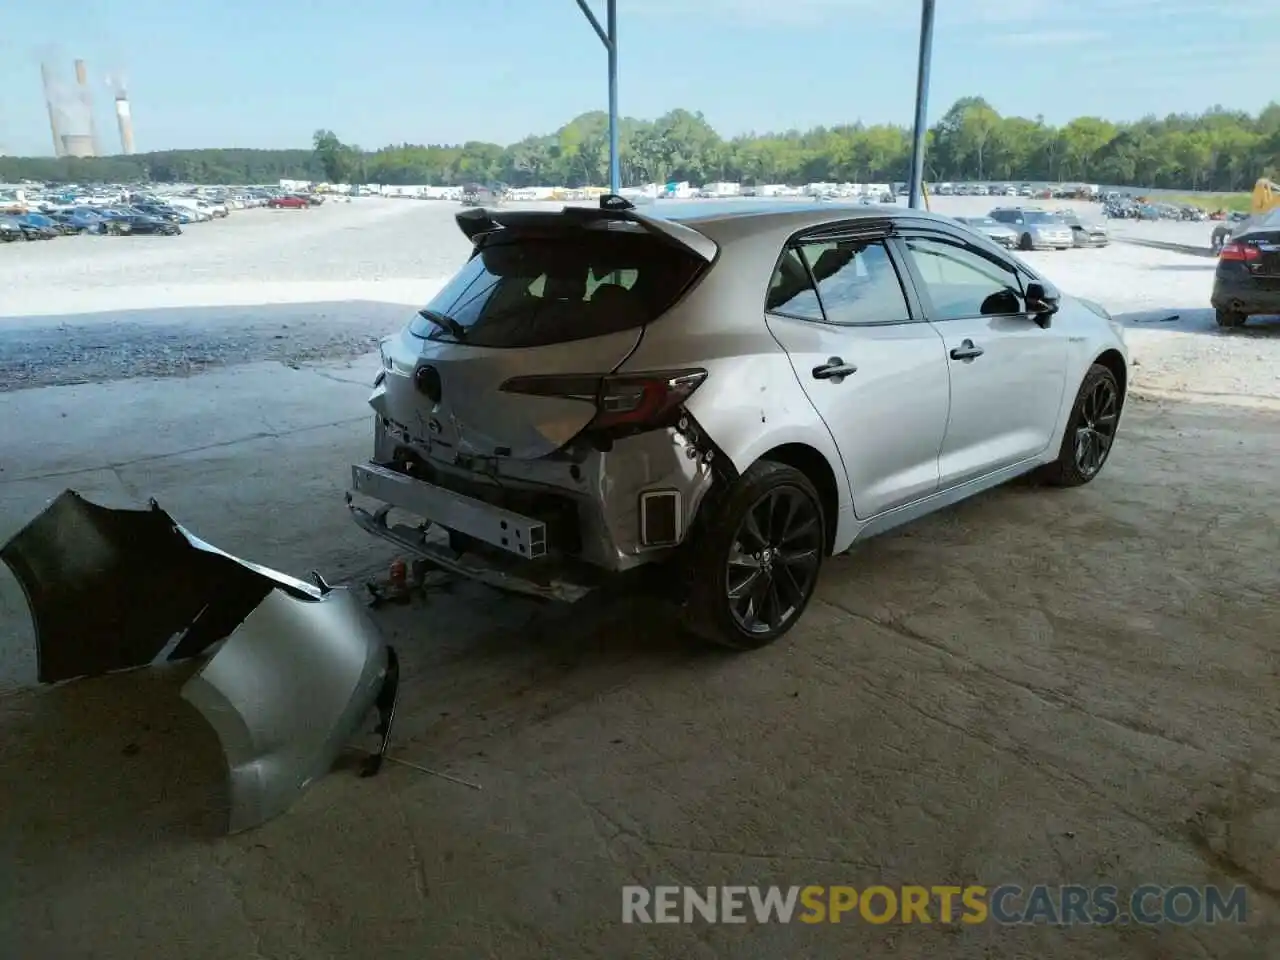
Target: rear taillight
624 404
1240 252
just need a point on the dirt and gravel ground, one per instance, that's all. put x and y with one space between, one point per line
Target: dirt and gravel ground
1037 686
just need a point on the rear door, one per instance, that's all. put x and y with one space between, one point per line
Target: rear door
1007 374
558 301
874 372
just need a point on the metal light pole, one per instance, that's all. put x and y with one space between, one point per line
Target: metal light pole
609 38
922 102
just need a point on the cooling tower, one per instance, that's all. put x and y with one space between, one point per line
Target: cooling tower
51 102
86 104
77 145
125 122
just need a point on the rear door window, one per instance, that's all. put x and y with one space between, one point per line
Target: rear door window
533 291
791 292
856 283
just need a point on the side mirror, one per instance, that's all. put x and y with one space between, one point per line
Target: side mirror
1042 303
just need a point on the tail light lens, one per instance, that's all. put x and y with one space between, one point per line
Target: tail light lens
1240 252
626 404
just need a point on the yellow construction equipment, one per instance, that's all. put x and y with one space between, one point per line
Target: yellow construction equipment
1266 196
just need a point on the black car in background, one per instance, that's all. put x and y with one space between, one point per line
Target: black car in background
130 222
10 230
1247 281
159 210
39 227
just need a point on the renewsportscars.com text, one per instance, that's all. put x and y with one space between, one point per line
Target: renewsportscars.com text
1004 904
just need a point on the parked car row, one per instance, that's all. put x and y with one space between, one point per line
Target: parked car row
121 219
118 211
1128 208
1032 228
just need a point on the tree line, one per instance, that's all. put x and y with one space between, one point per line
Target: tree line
1218 149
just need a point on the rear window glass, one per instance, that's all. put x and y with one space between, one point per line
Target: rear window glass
533 291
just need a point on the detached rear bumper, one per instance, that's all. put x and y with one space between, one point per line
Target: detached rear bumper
299 668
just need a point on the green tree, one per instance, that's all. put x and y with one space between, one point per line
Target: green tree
1218 149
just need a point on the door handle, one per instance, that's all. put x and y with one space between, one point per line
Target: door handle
834 369
967 351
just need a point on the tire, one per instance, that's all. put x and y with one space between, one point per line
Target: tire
1095 415
721 534
1026 243
1230 319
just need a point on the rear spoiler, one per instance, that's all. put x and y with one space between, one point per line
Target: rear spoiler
479 223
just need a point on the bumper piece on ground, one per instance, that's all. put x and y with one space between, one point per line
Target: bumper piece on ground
301 667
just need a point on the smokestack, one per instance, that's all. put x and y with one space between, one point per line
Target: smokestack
49 95
125 122
86 101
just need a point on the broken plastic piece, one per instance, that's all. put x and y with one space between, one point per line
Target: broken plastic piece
284 694
301 668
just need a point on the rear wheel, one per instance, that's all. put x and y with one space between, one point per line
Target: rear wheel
1090 433
1229 318
755 557
1026 243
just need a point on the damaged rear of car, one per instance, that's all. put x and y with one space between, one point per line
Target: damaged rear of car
503 425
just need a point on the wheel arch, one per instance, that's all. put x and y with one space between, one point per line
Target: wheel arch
813 464
1114 361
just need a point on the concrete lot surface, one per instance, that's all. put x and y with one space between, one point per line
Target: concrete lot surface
1034 687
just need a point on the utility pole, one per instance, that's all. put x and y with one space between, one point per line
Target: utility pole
609 37
922 103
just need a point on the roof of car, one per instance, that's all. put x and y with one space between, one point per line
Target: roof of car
743 215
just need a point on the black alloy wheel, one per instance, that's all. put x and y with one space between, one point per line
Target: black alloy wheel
1090 432
1096 431
752 559
773 561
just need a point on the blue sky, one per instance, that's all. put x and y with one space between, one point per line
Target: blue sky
267 73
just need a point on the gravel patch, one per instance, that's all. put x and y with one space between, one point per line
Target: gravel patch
289 286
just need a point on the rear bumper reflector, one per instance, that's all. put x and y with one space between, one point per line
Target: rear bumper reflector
660 518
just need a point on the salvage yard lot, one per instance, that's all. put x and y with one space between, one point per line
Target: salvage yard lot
1037 686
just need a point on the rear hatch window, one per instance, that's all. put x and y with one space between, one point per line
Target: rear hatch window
536 290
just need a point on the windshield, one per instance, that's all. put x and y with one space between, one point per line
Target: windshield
1035 216
533 291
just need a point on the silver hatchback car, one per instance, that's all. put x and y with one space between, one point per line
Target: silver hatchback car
733 391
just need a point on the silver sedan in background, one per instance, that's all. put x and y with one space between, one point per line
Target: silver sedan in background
1085 232
993 230
1037 229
